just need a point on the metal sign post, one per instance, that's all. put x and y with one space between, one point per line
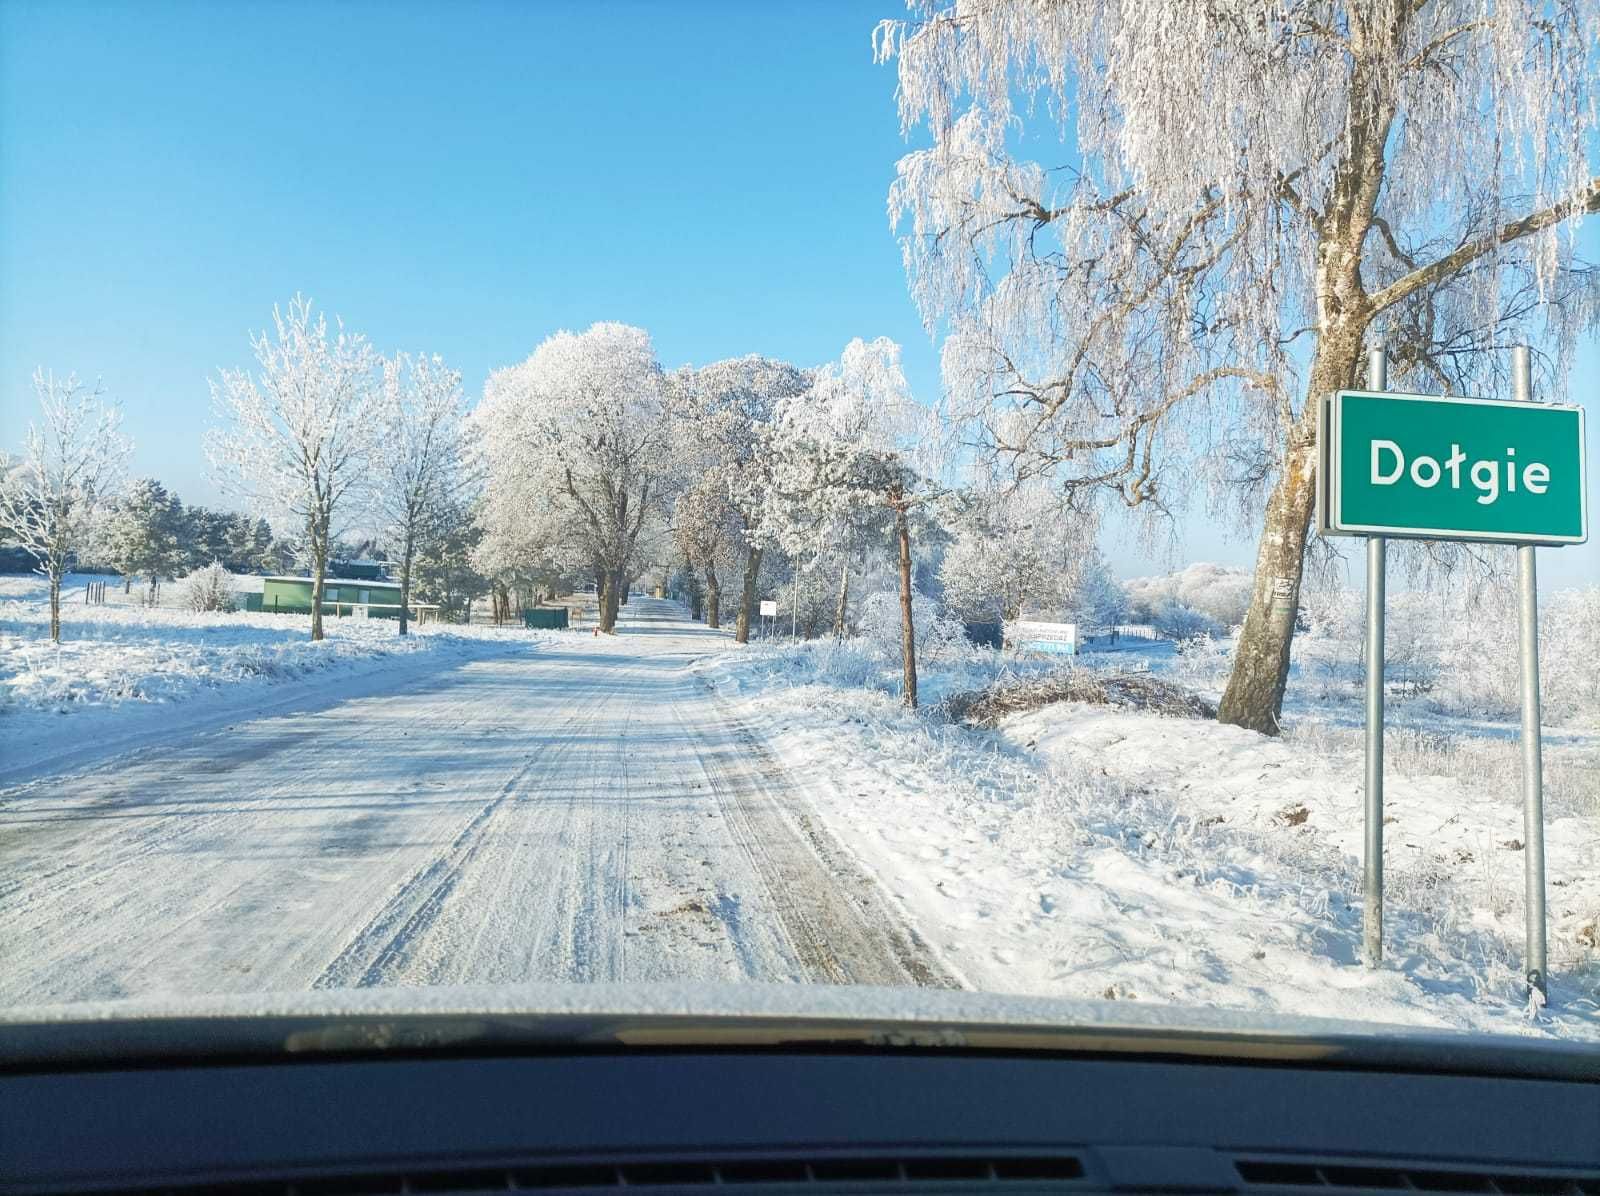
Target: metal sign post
1532 748
1377 567
1435 467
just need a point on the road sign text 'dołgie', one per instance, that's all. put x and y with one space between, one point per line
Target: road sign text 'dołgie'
1452 469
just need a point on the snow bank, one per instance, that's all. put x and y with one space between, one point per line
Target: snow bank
1091 852
124 669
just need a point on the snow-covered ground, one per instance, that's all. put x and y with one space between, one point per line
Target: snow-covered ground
580 812
126 671
499 807
1090 851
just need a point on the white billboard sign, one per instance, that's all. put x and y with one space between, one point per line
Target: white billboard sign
1026 635
769 608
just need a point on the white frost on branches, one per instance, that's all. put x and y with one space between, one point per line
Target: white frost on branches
851 456
723 414
1244 192
577 453
295 440
420 459
71 464
1013 550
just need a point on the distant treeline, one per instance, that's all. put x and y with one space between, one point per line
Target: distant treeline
150 533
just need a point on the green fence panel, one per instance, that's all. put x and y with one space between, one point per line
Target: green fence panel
545 618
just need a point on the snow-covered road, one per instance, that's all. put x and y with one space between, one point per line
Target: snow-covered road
583 810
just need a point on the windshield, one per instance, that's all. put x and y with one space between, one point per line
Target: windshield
859 498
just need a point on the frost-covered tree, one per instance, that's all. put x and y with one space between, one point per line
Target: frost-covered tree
1221 593
1253 191
1096 602
140 532
577 454
71 464
443 569
420 458
1012 549
295 439
849 456
722 411
705 528
249 545
203 536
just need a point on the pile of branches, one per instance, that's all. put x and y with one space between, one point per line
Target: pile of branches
1136 691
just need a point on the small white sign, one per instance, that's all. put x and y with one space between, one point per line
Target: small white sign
769 609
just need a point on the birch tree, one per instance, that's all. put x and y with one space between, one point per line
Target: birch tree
1248 195
71 464
575 440
421 457
295 439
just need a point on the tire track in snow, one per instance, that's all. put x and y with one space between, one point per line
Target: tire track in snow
589 812
840 925
383 949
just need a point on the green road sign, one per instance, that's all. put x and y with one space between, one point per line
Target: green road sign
1451 469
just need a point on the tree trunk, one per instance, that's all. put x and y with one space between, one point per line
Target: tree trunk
55 608
610 600
692 591
713 598
908 633
405 578
844 599
747 600
127 583
319 571
1254 697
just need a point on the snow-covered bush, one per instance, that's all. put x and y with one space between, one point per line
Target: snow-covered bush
940 638
1221 593
1457 652
1475 664
1179 622
1203 662
943 640
210 588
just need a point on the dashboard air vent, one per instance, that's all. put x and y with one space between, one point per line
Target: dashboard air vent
1349 1176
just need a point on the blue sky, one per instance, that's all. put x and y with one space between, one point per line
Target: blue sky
460 179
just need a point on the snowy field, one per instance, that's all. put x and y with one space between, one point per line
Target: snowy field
123 671
1091 851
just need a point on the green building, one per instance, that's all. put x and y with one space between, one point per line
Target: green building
364 597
